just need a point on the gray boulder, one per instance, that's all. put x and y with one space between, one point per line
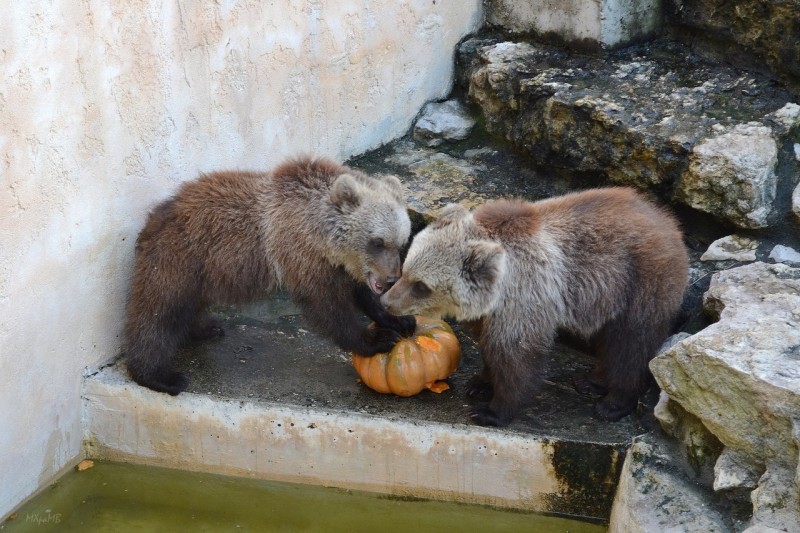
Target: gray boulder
443 121
732 247
784 254
732 175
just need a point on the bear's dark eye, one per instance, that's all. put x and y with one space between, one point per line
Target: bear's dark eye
420 289
377 244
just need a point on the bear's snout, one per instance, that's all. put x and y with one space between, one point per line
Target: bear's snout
392 298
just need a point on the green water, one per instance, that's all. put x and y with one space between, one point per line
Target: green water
121 498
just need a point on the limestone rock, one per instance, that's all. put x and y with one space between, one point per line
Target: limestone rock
732 247
732 175
741 378
733 471
652 496
761 528
796 201
672 340
740 375
784 254
776 500
652 116
443 121
698 445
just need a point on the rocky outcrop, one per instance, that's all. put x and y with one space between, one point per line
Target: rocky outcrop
696 444
740 377
655 116
754 33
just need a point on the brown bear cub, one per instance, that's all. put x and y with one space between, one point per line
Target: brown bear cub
604 264
328 234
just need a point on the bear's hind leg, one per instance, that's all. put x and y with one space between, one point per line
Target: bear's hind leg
515 377
479 386
624 349
154 333
148 359
205 327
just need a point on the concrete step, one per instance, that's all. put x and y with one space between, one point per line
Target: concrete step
716 139
273 400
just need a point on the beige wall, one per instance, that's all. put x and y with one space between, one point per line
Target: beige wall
106 106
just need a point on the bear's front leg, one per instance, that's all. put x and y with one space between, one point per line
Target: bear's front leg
334 312
370 303
479 386
512 368
483 415
505 403
615 405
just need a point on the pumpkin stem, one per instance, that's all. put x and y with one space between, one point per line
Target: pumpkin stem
437 386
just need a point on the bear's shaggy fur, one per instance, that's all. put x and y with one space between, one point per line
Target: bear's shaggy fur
328 234
605 264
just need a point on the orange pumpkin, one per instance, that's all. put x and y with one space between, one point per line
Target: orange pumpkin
415 363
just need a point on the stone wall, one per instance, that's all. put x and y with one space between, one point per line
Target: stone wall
759 34
105 107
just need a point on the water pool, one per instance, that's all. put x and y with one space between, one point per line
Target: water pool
121 498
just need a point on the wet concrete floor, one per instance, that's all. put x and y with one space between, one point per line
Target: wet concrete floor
270 353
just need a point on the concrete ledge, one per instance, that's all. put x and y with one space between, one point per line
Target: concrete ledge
260 439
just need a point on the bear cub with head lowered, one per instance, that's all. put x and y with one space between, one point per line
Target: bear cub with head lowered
605 264
328 234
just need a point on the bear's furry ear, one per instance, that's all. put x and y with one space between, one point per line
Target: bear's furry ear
345 191
484 265
395 186
449 214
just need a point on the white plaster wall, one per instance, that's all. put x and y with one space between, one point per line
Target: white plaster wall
105 106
